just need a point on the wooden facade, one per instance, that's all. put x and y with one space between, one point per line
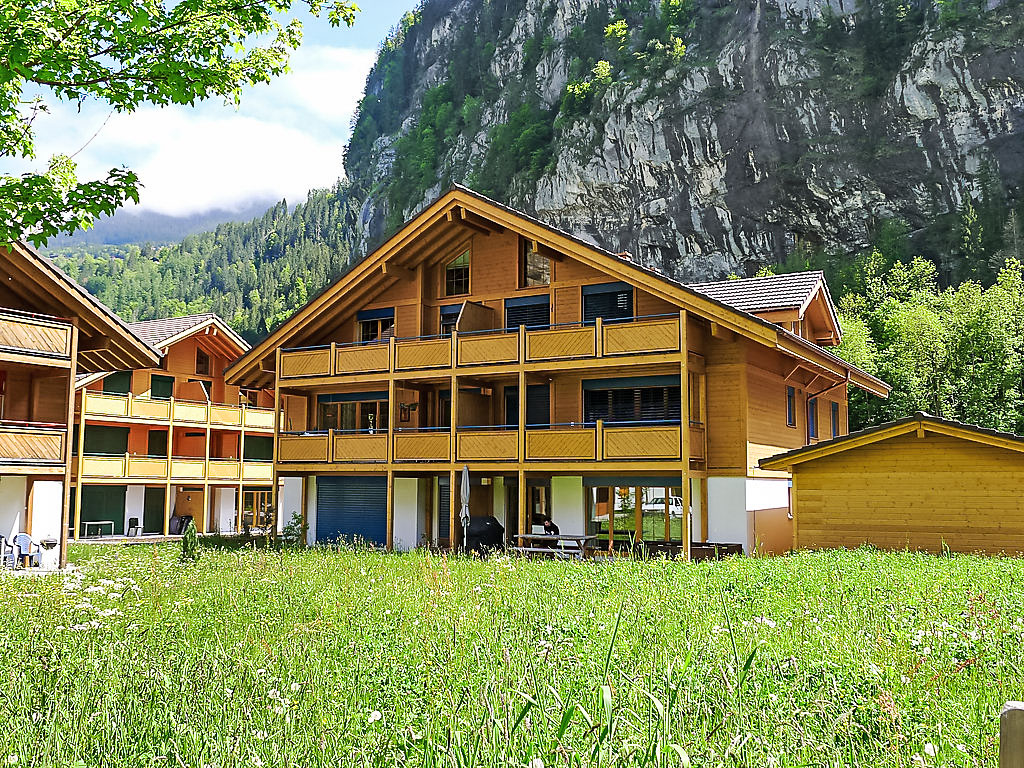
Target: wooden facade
51 331
174 439
921 484
559 374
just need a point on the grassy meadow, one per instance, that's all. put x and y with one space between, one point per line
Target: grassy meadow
355 658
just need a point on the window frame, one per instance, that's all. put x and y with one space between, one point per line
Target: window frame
209 362
812 418
466 251
836 426
526 249
790 406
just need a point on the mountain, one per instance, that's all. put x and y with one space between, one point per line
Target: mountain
253 274
706 137
130 226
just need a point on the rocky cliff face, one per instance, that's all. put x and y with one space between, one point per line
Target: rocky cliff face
785 120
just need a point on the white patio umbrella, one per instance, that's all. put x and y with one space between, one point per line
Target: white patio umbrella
464 495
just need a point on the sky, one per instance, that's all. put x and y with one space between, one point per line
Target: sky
285 139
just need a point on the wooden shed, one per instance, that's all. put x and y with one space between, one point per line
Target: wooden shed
920 483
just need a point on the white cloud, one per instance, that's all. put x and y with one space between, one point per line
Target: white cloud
286 138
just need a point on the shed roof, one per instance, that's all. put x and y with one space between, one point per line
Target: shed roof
920 422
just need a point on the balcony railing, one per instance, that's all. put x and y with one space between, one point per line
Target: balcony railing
183 411
32 444
655 334
23 333
132 467
619 441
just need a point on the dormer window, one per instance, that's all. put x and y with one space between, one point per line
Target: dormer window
456 275
202 363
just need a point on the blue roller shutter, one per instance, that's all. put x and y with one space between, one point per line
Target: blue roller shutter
444 510
352 507
532 311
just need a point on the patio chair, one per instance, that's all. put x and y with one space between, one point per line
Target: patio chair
134 528
27 549
8 557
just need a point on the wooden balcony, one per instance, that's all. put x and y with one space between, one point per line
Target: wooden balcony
487 445
32 446
257 471
423 446
488 348
572 341
360 448
361 358
561 445
412 354
641 336
154 468
217 415
313 448
640 442
561 343
27 338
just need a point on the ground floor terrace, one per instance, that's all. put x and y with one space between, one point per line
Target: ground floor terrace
656 512
132 509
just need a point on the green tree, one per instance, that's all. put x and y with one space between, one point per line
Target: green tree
124 53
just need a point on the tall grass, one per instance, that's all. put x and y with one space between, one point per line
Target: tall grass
315 658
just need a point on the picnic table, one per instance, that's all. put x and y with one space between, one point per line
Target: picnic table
99 526
557 545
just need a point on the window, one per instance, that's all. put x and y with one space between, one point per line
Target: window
609 301
695 386
161 387
534 268
654 398
532 311
790 407
119 383
366 411
376 324
456 275
250 397
449 317
202 363
835 419
812 417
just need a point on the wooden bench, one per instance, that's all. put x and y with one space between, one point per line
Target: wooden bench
581 547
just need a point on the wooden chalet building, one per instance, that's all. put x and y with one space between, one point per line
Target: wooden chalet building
51 330
171 439
572 382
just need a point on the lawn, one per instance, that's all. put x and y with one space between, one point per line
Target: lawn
353 658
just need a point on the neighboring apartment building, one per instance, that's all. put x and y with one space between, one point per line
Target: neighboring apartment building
572 383
170 440
50 331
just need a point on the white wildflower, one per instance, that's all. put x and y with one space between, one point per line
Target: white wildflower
931 750
535 763
375 716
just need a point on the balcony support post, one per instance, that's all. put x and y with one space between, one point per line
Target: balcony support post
453 514
599 337
274 487
391 410
170 460
521 493
684 431
390 542
66 500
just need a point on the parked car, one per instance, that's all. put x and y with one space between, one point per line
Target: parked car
656 505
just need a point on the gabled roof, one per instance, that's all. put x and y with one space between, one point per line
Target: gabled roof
765 294
164 332
31 282
920 422
449 218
